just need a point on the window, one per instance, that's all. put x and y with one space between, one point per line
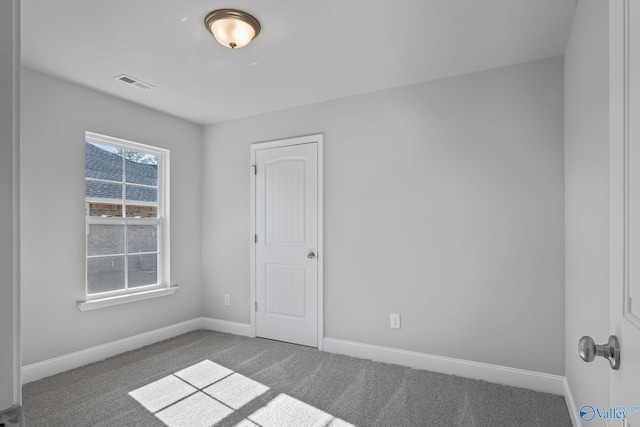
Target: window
126 211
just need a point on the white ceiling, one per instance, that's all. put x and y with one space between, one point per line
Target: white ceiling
308 51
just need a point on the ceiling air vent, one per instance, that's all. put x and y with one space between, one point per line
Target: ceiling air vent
134 82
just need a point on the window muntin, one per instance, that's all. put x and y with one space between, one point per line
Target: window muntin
127 247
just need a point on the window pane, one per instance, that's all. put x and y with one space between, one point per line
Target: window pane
105 239
141 168
101 162
105 274
143 194
143 270
137 211
110 193
104 209
142 238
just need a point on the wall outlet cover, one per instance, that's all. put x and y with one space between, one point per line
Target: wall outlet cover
394 320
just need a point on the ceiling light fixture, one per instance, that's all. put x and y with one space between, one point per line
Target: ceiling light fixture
232 28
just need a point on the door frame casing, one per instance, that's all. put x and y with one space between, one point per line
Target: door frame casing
618 169
255 147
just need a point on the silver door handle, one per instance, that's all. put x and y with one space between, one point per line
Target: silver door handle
311 255
588 350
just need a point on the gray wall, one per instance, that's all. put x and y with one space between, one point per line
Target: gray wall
9 131
443 202
587 197
55 115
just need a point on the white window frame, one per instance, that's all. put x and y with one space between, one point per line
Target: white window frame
163 287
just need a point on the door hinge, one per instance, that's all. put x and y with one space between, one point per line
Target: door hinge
256 305
255 238
255 169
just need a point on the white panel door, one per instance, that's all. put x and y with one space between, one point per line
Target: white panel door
286 253
625 207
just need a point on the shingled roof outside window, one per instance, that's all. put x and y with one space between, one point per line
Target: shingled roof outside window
105 165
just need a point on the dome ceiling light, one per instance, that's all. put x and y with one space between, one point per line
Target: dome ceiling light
232 28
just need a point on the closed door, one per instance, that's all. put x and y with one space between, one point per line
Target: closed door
287 243
625 205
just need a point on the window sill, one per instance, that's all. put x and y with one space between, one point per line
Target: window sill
123 299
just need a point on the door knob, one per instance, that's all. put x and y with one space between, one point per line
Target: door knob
588 350
311 255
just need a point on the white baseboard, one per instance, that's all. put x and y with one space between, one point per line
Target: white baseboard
49 367
571 405
537 381
235 328
531 380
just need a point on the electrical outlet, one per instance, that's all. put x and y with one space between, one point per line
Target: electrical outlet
227 299
394 320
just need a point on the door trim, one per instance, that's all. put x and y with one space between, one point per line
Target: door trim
255 147
619 180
